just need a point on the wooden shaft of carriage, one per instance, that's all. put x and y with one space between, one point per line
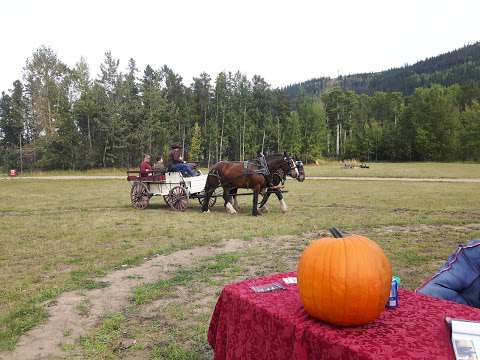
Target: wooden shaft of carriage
201 196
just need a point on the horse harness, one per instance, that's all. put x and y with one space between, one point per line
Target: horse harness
274 179
260 163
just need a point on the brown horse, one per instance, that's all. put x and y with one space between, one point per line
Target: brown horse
278 178
253 174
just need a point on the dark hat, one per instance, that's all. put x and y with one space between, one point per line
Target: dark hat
175 146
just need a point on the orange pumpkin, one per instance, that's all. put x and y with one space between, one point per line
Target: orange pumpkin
344 280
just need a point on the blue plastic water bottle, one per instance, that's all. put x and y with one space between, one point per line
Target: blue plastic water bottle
393 298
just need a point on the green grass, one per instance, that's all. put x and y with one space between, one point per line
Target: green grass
60 235
98 345
83 307
150 291
172 322
407 169
174 352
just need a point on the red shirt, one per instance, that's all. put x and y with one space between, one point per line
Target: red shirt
145 167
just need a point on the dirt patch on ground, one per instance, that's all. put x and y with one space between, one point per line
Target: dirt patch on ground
76 313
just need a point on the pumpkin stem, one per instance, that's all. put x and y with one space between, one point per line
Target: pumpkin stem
336 233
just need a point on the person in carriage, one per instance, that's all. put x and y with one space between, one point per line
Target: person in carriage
176 163
145 166
159 166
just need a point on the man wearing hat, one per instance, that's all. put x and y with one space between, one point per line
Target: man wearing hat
176 162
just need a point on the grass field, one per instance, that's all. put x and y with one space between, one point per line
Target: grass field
60 235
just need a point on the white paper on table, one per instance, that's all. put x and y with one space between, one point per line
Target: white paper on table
466 339
290 280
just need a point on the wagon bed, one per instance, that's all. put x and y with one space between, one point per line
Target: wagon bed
173 186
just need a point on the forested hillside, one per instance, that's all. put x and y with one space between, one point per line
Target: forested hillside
455 67
57 117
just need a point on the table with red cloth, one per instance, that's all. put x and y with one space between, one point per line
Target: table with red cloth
274 325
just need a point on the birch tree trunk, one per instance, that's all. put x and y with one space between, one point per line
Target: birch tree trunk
278 134
221 135
328 142
21 155
89 134
243 131
183 143
338 141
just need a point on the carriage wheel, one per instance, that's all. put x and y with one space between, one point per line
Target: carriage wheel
178 198
139 196
211 201
165 198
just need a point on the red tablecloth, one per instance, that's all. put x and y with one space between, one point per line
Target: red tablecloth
274 325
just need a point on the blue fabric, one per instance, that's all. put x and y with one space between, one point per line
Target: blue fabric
459 278
183 168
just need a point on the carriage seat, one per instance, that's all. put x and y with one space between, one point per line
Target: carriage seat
152 176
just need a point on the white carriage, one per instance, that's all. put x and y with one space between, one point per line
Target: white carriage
175 189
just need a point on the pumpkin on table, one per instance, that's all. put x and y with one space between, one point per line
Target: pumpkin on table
344 280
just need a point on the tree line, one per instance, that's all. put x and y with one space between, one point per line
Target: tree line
57 117
436 123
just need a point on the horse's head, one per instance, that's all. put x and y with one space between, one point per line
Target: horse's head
283 162
291 168
301 170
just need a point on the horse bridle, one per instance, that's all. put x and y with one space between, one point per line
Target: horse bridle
292 164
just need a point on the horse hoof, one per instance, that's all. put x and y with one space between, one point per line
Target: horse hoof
236 206
206 212
263 209
230 209
257 214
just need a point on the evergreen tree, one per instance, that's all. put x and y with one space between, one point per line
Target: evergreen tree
195 143
470 133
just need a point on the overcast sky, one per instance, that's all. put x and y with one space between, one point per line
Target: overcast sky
284 41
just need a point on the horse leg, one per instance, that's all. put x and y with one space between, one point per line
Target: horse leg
255 204
206 199
235 200
263 208
283 204
210 187
227 198
256 191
